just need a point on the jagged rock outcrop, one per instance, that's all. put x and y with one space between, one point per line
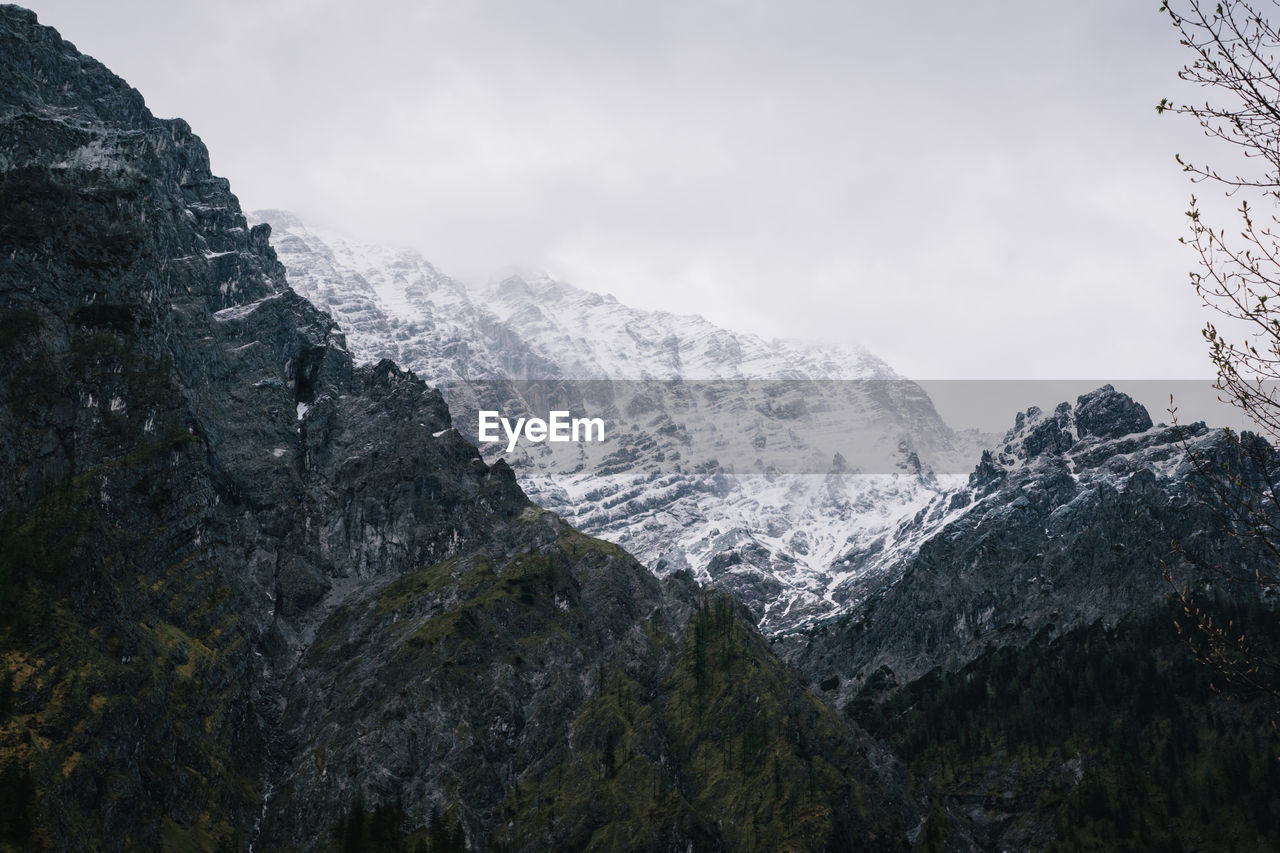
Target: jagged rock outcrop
247 587
1027 659
1069 522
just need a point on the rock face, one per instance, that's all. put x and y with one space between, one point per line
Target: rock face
247 586
1069 523
724 456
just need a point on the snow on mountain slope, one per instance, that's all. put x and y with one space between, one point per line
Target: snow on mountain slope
759 466
593 336
395 304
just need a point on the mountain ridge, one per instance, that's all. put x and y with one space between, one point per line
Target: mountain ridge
214 520
256 594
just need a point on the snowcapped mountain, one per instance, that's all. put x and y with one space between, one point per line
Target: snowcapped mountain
1066 522
395 304
391 303
774 469
593 336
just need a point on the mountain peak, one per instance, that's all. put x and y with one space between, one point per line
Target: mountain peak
39 54
1101 414
1108 413
528 324
18 14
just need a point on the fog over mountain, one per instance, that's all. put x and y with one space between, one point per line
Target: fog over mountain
977 191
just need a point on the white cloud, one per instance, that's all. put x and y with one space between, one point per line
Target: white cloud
978 190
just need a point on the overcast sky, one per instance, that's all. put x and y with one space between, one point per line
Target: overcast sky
971 190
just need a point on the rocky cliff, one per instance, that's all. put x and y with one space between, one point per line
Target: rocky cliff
1070 521
251 590
1023 656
